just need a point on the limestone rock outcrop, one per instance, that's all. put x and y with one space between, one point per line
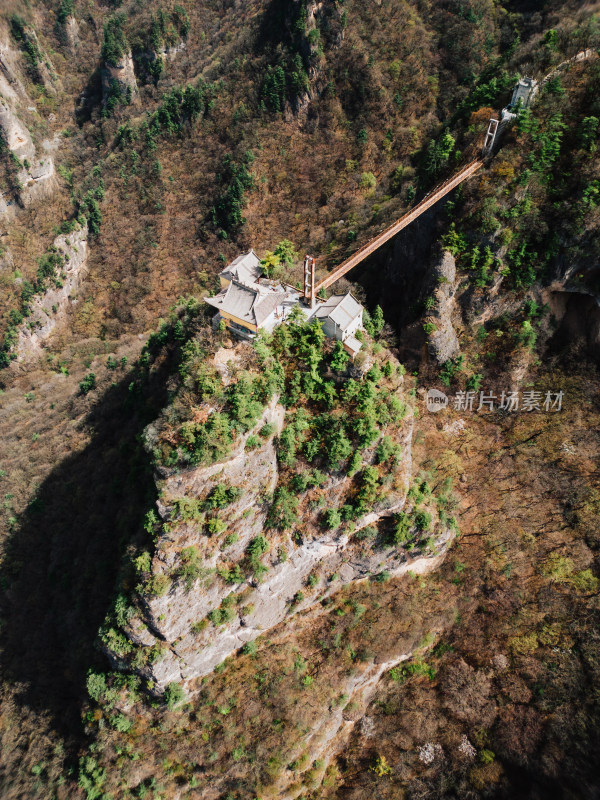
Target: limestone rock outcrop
72 32
6 258
320 17
48 309
16 136
119 78
443 342
10 84
202 599
36 176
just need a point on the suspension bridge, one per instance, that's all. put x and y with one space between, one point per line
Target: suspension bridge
311 287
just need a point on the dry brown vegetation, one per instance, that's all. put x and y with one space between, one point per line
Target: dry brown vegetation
506 631
512 678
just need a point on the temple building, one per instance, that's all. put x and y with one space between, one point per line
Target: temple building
248 303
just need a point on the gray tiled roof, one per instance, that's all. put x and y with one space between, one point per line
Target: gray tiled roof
245 268
250 304
353 344
236 300
267 303
341 309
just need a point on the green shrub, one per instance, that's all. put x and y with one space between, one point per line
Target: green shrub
235 180
28 45
403 672
527 336
174 695
250 648
233 575
337 447
115 43
355 463
386 449
116 641
121 723
367 494
283 510
332 519
216 616
189 509
222 496
64 11
87 384
450 368
339 358
215 526
402 526
474 382
422 520
287 446
230 539
190 568
267 430
437 155
368 181
381 767
158 585
298 598
96 685
374 323
368 532
198 627
257 547
91 778
586 582
273 92
588 133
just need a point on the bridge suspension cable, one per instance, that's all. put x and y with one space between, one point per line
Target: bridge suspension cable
310 288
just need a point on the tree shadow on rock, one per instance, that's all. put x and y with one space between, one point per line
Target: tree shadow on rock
89 99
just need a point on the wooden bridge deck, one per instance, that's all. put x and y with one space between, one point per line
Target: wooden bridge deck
429 200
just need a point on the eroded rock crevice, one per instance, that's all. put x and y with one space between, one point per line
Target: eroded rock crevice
48 309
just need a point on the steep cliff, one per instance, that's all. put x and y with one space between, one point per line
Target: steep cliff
48 308
442 341
293 499
34 177
118 79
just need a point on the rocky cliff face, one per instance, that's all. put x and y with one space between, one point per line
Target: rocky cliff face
119 78
443 341
218 578
15 134
36 176
48 309
10 84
